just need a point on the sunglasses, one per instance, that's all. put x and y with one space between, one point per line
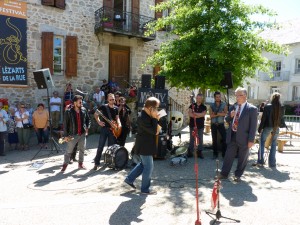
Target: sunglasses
110 99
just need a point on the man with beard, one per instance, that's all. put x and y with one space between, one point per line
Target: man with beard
76 126
217 112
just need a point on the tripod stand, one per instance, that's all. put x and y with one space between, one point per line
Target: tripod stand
218 213
53 142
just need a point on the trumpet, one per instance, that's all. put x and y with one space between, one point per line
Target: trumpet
65 139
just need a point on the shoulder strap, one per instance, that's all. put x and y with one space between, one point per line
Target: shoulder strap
108 112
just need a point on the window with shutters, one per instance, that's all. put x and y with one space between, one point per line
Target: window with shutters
61 4
296 93
58 55
297 67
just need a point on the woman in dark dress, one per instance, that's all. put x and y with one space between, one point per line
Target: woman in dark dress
145 145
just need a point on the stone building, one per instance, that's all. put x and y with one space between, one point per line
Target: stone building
284 76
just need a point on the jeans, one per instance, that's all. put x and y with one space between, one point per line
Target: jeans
214 134
42 135
200 136
55 115
81 143
145 167
105 133
265 133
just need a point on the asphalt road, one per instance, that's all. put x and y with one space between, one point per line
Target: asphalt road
36 192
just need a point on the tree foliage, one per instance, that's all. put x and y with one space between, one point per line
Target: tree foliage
209 37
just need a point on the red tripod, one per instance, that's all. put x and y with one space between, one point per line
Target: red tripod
196 143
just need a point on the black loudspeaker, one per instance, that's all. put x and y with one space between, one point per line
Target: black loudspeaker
160 82
227 81
43 79
146 80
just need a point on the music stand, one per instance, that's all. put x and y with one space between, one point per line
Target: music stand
44 80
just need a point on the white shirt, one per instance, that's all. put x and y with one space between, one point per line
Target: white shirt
19 116
98 96
4 116
55 107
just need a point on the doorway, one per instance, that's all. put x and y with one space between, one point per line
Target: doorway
119 64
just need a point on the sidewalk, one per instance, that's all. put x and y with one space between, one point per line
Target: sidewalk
31 196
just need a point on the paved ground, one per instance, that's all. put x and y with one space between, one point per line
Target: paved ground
31 196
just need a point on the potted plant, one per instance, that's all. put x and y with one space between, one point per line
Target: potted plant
106 22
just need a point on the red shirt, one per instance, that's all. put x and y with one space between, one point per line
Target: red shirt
78 122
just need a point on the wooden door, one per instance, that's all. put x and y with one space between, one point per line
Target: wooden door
119 64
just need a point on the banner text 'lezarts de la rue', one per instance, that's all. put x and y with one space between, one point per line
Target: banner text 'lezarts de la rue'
13 43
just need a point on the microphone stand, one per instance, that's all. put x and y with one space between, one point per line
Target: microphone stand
218 213
196 143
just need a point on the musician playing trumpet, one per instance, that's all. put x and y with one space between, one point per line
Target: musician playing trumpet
76 125
111 126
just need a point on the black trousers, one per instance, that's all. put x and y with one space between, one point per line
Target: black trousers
121 140
215 128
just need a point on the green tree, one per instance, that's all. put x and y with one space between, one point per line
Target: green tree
209 37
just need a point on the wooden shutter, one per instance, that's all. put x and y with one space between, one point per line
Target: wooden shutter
47 50
61 4
108 3
48 2
71 56
135 7
158 14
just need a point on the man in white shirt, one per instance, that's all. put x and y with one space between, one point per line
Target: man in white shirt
55 104
3 128
99 97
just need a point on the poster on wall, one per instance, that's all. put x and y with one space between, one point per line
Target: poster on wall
13 43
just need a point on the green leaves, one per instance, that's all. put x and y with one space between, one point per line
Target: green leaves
209 38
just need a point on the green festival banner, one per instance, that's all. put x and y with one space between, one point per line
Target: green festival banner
13 43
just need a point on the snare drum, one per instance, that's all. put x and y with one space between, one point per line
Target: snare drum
116 157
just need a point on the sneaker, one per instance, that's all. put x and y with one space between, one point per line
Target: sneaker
95 167
64 167
258 164
130 184
81 166
237 179
149 193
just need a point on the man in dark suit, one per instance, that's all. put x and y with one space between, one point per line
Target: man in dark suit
242 119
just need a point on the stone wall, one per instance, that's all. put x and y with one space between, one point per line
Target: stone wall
93 51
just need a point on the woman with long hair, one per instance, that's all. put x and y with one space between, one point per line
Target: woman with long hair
271 121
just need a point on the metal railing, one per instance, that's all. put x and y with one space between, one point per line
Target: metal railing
126 23
275 76
292 122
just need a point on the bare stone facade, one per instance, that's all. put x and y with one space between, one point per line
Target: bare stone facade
93 50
